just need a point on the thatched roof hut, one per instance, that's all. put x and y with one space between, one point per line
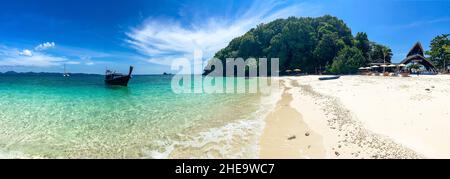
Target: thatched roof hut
417 55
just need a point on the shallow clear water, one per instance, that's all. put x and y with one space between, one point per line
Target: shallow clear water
79 117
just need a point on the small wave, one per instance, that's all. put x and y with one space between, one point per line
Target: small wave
239 139
234 140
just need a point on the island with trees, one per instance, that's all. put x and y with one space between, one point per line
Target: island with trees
316 45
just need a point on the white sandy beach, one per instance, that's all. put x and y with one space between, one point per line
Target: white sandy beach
360 117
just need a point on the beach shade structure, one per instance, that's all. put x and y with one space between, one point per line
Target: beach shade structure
384 67
417 56
368 70
364 70
297 71
400 69
392 65
401 66
374 67
288 72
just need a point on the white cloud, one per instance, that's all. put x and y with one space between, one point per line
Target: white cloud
45 46
38 60
89 63
14 57
26 52
40 47
164 40
415 24
72 63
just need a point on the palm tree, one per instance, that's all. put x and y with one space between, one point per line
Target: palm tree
386 52
447 49
415 67
447 52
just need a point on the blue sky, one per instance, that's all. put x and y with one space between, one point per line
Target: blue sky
89 36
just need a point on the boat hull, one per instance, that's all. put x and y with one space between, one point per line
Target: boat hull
329 78
118 81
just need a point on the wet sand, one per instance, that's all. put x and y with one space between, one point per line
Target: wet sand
286 135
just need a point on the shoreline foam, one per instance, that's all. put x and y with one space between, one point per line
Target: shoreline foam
235 140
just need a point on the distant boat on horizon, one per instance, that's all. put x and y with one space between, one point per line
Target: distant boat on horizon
65 74
118 79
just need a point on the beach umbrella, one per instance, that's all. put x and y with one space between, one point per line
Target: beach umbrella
401 66
374 68
392 66
384 67
297 70
362 68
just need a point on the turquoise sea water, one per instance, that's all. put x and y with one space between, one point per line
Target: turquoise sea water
49 116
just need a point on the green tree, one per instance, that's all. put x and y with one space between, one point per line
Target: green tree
348 61
414 66
248 46
387 54
310 43
327 49
439 51
362 43
380 54
447 49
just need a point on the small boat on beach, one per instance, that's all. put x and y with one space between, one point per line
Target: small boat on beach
113 78
329 78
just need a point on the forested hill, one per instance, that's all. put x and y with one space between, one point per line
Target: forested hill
311 44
